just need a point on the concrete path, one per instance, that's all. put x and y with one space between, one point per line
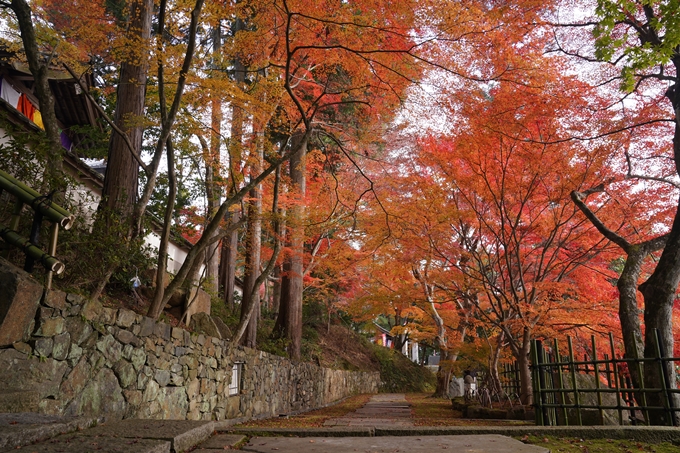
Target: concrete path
383 425
457 444
383 410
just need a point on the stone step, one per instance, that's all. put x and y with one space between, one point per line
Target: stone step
220 442
19 429
82 443
181 434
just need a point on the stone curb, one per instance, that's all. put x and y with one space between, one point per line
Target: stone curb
220 442
20 434
307 432
653 434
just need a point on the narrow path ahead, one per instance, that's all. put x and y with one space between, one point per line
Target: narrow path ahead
382 411
387 410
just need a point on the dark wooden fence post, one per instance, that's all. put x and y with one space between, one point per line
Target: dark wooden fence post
596 368
666 385
536 374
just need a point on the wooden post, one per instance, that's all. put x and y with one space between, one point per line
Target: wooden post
537 383
642 392
616 378
660 354
563 401
540 355
596 368
577 399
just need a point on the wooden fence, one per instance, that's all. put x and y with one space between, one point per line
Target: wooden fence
598 389
510 383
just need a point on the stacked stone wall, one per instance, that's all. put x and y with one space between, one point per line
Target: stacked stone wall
81 358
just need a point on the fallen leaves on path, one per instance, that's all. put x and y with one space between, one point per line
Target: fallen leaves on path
312 419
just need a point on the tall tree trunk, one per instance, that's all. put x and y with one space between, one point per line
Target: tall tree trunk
121 179
212 165
262 277
629 315
444 373
289 322
446 357
229 253
119 193
162 262
659 292
251 294
521 351
627 282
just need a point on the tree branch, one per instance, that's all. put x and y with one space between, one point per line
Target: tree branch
108 119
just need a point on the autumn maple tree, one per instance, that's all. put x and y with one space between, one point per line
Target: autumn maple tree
452 169
637 46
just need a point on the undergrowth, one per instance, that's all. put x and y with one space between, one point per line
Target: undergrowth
400 375
575 444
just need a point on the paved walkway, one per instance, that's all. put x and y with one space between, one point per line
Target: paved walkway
383 410
386 413
382 425
490 443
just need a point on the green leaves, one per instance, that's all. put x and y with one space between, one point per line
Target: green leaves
640 34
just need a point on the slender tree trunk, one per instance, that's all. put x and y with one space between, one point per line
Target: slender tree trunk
276 292
162 262
168 117
251 292
446 357
54 168
254 310
228 255
494 359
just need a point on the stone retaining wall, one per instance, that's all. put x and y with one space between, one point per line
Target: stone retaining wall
85 359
